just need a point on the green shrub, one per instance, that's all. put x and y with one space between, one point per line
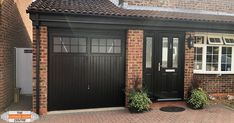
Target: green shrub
139 101
198 98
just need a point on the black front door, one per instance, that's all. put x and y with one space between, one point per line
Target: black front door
163 65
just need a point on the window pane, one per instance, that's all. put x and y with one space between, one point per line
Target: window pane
106 46
164 52
66 41
198 58
149 52
209 50
65 48
74 41
231 40
102 49
175 52
199 40
57 40
94 42
74 49
94 49
82 49
209 58
102 42
198 65
110 49
216 50
117 49
57 48
82 41
110 42
117 42
226 58
212 58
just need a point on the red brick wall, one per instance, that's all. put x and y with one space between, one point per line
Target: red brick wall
188 68
43 69
13 33
134 57
217 84
209 5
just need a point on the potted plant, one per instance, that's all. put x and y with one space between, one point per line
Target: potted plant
198 99
138 99
197 96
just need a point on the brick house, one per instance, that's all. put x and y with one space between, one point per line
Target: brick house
15 31
87 52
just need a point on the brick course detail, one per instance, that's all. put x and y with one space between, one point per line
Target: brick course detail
134 57
43 69
13 33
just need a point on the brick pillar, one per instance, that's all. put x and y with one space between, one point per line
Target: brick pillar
134 57
189 62
43 69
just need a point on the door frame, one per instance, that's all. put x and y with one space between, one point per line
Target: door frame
156 34
85 33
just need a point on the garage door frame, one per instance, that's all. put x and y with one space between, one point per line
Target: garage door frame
88 33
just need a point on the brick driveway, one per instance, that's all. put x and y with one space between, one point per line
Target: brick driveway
214 114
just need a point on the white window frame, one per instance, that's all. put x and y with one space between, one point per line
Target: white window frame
228 37
204 52
216 36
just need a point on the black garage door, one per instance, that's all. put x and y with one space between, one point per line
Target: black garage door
86 70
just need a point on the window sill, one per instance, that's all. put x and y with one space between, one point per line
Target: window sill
210 73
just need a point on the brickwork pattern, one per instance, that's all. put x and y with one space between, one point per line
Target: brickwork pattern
43 69
213 114
13 33
134 57
215 84
188 64
208 5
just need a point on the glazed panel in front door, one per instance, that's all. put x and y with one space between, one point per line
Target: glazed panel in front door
163 65
169 69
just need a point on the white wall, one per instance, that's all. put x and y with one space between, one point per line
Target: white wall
24 70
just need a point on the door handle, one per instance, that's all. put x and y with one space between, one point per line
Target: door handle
159 66
88 87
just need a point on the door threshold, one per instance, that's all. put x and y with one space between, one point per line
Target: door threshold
170 99
86 110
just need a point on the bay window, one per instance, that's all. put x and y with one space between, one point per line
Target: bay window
213 54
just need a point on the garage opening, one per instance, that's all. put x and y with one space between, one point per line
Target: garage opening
86 69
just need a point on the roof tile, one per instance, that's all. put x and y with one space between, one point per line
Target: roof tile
107 8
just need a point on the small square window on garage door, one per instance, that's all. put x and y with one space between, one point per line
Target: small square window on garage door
69 45
105 45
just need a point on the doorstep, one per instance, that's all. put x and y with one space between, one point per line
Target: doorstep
86 110
158 105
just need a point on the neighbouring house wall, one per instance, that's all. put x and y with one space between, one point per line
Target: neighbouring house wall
13 33
134 57
213 84
208 5
43 69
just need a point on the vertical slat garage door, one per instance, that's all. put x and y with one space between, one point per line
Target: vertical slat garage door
86 70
